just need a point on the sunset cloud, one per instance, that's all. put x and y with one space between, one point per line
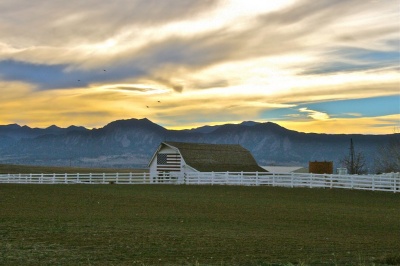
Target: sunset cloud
315 114
205 61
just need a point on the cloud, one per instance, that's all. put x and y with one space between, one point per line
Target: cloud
358 125
208 60
354 59
315 114
55 23
127 87
139 43
353 114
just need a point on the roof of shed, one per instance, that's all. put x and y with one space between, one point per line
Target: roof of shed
286 169
217 157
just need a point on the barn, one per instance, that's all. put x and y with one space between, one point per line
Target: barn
186 157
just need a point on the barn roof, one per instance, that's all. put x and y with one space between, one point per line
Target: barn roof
216 157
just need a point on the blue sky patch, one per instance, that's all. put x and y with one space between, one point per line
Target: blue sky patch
367 107
364 59
44 76
47 77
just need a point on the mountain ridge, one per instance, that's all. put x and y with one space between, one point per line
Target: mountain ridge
131 143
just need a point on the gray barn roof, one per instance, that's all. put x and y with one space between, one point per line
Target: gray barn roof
217 157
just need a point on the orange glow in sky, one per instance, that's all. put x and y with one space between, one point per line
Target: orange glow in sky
311 66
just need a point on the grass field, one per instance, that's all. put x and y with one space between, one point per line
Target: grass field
33 169
196 225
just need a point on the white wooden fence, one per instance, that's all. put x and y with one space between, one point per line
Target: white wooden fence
384 182
94 178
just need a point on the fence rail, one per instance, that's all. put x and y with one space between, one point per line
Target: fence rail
94 178
385 182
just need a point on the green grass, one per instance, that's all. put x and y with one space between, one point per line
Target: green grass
196 225
32 169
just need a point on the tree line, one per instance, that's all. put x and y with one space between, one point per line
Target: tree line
387 158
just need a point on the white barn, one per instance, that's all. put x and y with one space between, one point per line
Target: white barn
186 157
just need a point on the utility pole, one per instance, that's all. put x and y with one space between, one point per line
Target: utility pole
352 170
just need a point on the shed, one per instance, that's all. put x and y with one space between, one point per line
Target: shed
320 167
201 157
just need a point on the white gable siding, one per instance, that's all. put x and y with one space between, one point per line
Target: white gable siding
170 160
166 149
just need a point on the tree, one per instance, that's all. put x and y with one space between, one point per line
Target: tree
388 156
354 162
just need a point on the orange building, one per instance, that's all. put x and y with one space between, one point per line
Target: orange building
320 167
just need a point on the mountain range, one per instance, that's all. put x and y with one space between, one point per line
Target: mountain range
131 143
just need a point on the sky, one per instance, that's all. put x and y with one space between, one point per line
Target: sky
323 66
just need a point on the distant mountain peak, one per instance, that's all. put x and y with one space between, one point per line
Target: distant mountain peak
53 127
134 123
249 123
11 126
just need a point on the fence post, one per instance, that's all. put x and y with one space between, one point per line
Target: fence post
373 183
273 179
65 178
291 180
77 178
116 179
257 183
182 177
352 181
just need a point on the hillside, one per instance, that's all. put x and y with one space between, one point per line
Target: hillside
131 143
